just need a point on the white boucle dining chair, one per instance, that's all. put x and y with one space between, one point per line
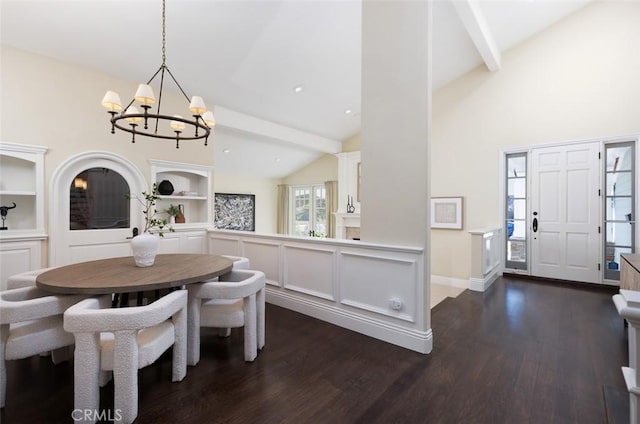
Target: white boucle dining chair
239 262
30 324
234 300
123 340
25 279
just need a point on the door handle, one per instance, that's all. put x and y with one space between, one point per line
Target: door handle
134 232
535 225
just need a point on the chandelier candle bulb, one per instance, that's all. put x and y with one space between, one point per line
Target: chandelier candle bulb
144 95
111 101
132 110
132 120
197 106
208 119
177 125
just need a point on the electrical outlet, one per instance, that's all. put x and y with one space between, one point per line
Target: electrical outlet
395 304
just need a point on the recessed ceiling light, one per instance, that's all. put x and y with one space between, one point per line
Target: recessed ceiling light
226 151
348 112
297 88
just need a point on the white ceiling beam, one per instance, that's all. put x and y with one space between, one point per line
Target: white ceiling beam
239 121
476 25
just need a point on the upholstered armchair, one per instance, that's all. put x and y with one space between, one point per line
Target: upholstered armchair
25 279
239 262
30 324
123 340
234 300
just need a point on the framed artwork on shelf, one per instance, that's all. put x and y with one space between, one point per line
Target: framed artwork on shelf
446 212
235 211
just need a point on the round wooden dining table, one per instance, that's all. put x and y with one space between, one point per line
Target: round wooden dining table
121 275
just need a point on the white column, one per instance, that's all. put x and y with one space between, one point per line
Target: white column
395 121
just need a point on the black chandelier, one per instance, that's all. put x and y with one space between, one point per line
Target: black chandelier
131 120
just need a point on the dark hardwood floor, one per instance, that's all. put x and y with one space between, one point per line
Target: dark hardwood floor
521 352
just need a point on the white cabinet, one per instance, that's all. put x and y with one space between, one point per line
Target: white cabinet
191 188
22 183
183 242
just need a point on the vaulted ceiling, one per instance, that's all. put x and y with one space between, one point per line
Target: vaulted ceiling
247 57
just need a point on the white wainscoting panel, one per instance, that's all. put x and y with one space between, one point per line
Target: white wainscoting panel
264 256
380 284
170 243
19 256
315 277
93 252
194 243
183 242
224 245
375 290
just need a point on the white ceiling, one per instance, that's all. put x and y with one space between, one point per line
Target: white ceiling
251 54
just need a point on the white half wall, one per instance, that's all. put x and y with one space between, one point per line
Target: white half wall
373 289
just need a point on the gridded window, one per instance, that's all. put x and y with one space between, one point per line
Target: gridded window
516 211
619 204
309 211
98 200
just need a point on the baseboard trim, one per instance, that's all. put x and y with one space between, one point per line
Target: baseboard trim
482 284
450 281
418 341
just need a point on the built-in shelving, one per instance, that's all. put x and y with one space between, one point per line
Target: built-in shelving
185 178
22 183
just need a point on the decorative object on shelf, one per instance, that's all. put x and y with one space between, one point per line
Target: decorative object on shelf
172 211
446 212
202 123
165 187
350 207
3 214
145 245
180 218
235 211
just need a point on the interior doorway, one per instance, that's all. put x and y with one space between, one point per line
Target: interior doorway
90 216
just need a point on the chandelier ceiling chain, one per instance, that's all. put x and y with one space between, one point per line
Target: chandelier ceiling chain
128 119
164 35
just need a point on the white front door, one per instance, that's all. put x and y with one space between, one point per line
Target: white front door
565 212
93 229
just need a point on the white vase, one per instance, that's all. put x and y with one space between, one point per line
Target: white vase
144 248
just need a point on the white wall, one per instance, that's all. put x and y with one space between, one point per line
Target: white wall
265 190
579 79
352 143
323 169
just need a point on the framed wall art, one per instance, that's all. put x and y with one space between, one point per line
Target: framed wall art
235 211
446 212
